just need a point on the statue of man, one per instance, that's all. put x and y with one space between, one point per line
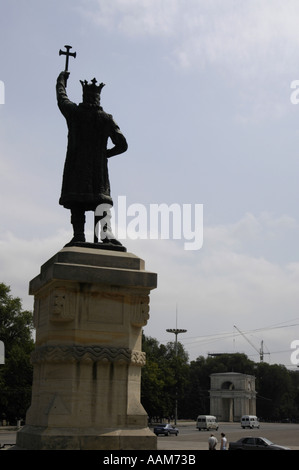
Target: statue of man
85 182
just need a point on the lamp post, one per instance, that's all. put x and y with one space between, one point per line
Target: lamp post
176 331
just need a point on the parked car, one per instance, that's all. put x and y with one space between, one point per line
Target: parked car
165 429
255 443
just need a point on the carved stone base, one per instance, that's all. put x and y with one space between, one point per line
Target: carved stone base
89 310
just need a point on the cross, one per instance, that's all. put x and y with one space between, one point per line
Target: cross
68 54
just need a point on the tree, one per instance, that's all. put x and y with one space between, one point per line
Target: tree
197 398
168 375
276 398
152 380
16 327
164 377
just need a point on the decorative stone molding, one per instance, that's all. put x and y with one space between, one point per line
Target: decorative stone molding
62 353
140 311
62 308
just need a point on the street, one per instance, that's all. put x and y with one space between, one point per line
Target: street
190 438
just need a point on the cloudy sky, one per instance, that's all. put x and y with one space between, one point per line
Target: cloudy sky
205 93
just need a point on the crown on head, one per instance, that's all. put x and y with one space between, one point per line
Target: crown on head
92 87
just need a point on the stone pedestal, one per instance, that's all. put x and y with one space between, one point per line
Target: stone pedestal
89 310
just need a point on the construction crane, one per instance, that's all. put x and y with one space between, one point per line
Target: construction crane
260 351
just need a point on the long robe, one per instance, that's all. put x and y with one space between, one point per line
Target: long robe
85 181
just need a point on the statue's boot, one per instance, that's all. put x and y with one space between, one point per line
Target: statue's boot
107 235
78 222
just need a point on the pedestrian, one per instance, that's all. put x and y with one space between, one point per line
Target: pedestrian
223 442
212 442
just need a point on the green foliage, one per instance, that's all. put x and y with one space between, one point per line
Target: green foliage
277 388
197 398
167 375
164 377
16 328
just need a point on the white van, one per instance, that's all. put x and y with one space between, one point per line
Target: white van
249 421
206 422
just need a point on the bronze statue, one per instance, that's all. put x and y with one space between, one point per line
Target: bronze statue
85 182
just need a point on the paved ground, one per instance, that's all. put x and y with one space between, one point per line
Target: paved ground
191 439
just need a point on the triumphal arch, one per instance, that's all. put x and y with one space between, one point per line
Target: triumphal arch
232 395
